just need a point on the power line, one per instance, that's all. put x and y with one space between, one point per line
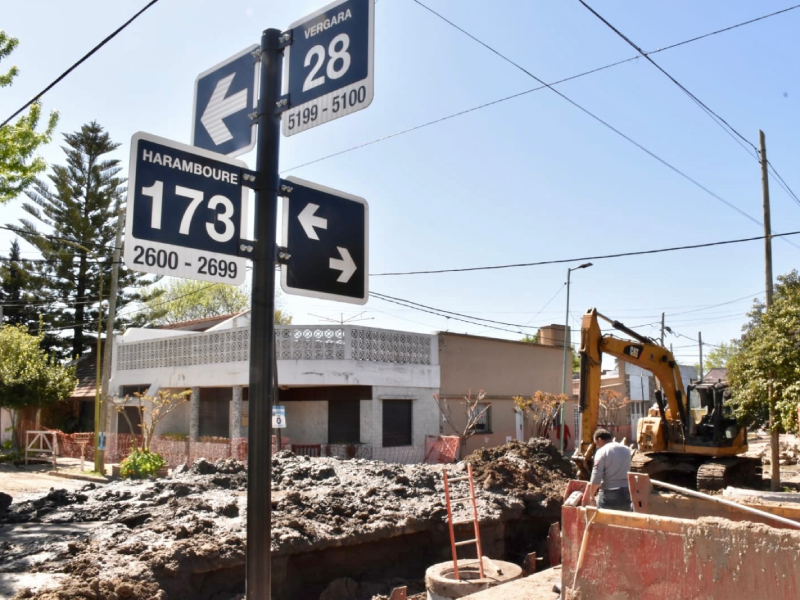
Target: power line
596 118
454 318
448 312
783 183
55 238
77 64
584 258
714 116
541 310
541 87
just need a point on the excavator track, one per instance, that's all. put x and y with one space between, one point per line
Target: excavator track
737 471
699 472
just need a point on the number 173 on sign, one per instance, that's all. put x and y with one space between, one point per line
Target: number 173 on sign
186 212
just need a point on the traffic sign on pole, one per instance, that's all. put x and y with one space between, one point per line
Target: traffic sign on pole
187 210
278 417
330 60
224 98
326 238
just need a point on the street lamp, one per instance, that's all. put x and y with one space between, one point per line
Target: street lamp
566 354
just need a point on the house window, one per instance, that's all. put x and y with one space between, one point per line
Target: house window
397 422
344 421
483 413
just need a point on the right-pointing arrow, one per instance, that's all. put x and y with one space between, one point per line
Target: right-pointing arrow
220 107
346 266
308 220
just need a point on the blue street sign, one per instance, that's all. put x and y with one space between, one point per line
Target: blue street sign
224 96
329 71
279 417
325 233
187 211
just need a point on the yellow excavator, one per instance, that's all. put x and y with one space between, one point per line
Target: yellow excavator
690 439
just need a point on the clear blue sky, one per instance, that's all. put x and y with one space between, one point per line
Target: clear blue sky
529 179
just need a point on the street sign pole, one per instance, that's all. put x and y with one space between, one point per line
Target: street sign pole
262 327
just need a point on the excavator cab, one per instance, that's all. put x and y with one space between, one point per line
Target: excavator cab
712 415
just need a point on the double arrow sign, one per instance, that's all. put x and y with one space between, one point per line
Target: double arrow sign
326 242
309 220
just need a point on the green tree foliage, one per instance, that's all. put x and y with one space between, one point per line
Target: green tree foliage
81 210
530 339
178 300
718 357
15 291
28 377
769 355
20 140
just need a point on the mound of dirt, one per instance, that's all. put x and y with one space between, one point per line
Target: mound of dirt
185 535
535 471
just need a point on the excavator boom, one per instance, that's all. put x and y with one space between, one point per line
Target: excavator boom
673 431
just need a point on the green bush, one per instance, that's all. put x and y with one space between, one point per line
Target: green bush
140 464
8 445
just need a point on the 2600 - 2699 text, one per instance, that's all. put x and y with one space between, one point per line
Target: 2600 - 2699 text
168 259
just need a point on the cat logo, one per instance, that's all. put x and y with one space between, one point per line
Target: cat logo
633 350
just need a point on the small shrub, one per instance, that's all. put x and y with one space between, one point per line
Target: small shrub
8 445
140 464
12 456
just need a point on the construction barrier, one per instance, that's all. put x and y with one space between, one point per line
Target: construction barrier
441 449
629 556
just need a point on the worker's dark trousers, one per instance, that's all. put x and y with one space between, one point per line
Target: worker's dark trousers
616 499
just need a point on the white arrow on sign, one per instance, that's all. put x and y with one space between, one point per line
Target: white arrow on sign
220 107
308 220
346 266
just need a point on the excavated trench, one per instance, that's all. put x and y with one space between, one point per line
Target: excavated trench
341 529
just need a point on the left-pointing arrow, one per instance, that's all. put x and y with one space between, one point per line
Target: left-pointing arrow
309 220
345 265
220 107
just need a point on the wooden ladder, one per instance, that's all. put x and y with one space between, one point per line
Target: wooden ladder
474 520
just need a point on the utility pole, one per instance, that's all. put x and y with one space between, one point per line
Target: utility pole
112 316
773 413
700 341
662 329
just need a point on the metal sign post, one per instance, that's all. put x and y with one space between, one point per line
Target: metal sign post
262 326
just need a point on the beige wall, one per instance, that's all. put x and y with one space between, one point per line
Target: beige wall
501 368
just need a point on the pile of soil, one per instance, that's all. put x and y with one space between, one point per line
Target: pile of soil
184 536
789 454
535 471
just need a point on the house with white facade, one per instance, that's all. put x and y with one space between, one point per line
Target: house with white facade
339 384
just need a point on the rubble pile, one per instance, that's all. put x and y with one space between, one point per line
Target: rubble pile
789 454
534 471
184 536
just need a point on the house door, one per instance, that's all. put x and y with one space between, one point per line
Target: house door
518 425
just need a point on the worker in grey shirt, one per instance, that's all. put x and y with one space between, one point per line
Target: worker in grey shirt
612 461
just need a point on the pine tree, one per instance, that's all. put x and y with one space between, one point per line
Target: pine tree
15 291
81 212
